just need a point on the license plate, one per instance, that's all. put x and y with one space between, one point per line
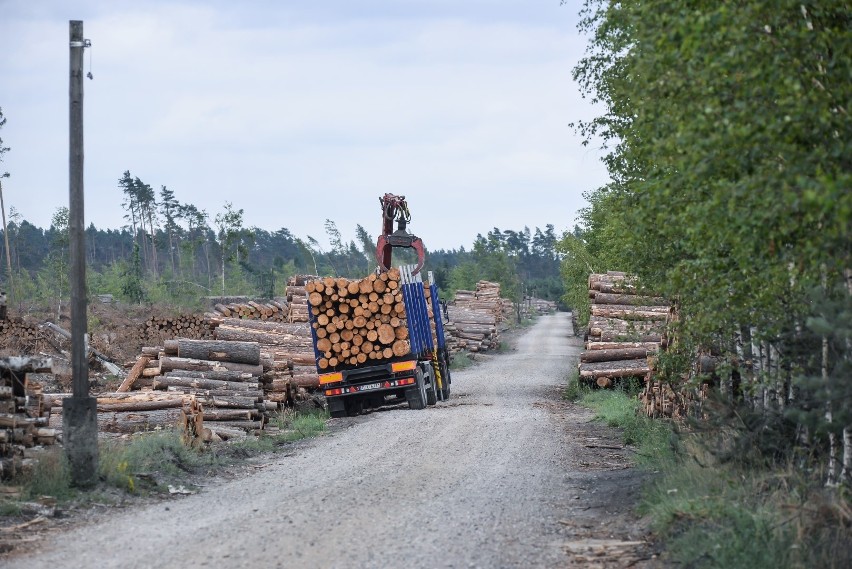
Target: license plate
370 386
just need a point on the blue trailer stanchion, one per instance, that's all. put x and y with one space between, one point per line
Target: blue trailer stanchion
436 312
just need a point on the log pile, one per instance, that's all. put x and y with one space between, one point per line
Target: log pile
530 307
157 329
625 328
273 310
18 334
474 317
676 401
286 354
359 321
222 377
123 413
541 306
21 424
297 297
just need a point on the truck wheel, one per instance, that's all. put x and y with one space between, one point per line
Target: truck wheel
354 407
416 396
432 390
336 408
445 381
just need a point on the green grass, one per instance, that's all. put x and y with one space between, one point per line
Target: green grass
654 440
134 465
294 426
462 360
307 425
149 462
50 477
732 514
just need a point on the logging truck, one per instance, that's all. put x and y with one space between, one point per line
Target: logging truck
390 350
381 340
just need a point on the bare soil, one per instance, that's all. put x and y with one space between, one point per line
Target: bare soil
505 474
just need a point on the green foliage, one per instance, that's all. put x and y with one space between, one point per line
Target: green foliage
232 238
157 455
303 425
728 207
51 476
131 278
727 135
462 360
57 266
619 408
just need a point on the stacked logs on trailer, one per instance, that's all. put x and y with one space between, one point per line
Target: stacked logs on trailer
157 329
358 321
274 310
297 297
22 429
625 328
474 316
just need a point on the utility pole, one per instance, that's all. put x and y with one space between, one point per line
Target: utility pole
79 412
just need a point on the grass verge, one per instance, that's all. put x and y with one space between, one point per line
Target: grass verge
462 360
713 513
150 462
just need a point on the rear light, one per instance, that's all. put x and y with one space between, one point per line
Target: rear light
403 366
330 378
329 392
407 381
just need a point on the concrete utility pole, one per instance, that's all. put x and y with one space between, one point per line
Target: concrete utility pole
79 412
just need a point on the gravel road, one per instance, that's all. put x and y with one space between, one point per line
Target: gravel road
482 480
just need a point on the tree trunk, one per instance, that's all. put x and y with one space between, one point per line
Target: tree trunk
220 351
232 334
134 373
625 368
168 363
196 383
613 355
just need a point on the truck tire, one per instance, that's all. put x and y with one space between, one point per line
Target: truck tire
416 396
354 407
336 408
445 380
432 389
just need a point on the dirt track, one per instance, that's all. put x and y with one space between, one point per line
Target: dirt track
503 475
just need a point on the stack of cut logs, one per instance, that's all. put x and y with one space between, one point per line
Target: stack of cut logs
541 306
678 400
274 310
474 315
529 307
297 297
220 388
287 355
122 413
223 377
21 426
358 320
17 332
625 328
157 329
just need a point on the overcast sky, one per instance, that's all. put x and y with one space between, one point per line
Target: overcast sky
299 111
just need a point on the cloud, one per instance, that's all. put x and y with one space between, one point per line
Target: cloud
298 115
